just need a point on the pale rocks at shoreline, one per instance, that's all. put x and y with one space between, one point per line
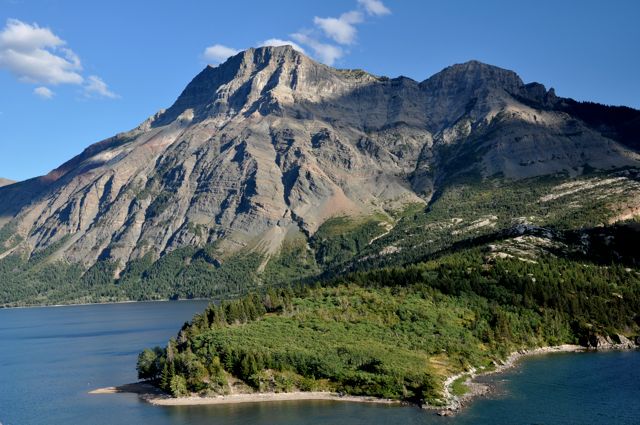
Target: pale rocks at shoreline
454 403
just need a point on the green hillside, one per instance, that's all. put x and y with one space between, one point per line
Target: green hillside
396 332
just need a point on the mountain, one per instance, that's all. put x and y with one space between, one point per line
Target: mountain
272 154
5 182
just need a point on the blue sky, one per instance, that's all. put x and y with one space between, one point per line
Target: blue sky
75 72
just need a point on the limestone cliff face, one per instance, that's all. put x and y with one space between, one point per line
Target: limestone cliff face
271 142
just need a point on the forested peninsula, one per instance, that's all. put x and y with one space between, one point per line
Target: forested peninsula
398 333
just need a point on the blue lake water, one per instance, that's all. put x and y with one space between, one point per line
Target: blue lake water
51 357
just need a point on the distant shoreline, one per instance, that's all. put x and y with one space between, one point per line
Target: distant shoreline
102 303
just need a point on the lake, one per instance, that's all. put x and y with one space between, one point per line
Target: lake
51 357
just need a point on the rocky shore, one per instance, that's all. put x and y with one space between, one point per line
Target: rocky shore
454 403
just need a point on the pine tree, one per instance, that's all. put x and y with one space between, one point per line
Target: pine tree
168 372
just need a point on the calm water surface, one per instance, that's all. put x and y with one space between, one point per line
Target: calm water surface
51 357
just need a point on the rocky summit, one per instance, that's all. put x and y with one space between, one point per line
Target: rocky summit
271 144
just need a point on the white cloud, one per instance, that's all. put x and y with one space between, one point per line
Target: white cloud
278 42
342 29
96 87
219 53
374 7
21 36
326 53
36 55
43 92
322 39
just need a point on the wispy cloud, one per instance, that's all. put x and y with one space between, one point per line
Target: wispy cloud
219 53
43 92
328 39
374 7
36 55
342 30
324 52
95 87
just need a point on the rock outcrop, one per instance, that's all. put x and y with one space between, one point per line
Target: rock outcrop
613 342
271 143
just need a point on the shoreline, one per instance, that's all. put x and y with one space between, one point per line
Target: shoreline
452 403
156 397
102 303
269 397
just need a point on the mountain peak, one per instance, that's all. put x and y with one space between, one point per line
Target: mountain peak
229 87
256 56
269 53
473 75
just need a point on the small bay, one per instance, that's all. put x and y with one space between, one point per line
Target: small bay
51 357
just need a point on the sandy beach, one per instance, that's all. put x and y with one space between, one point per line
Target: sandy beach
154 396
266 397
